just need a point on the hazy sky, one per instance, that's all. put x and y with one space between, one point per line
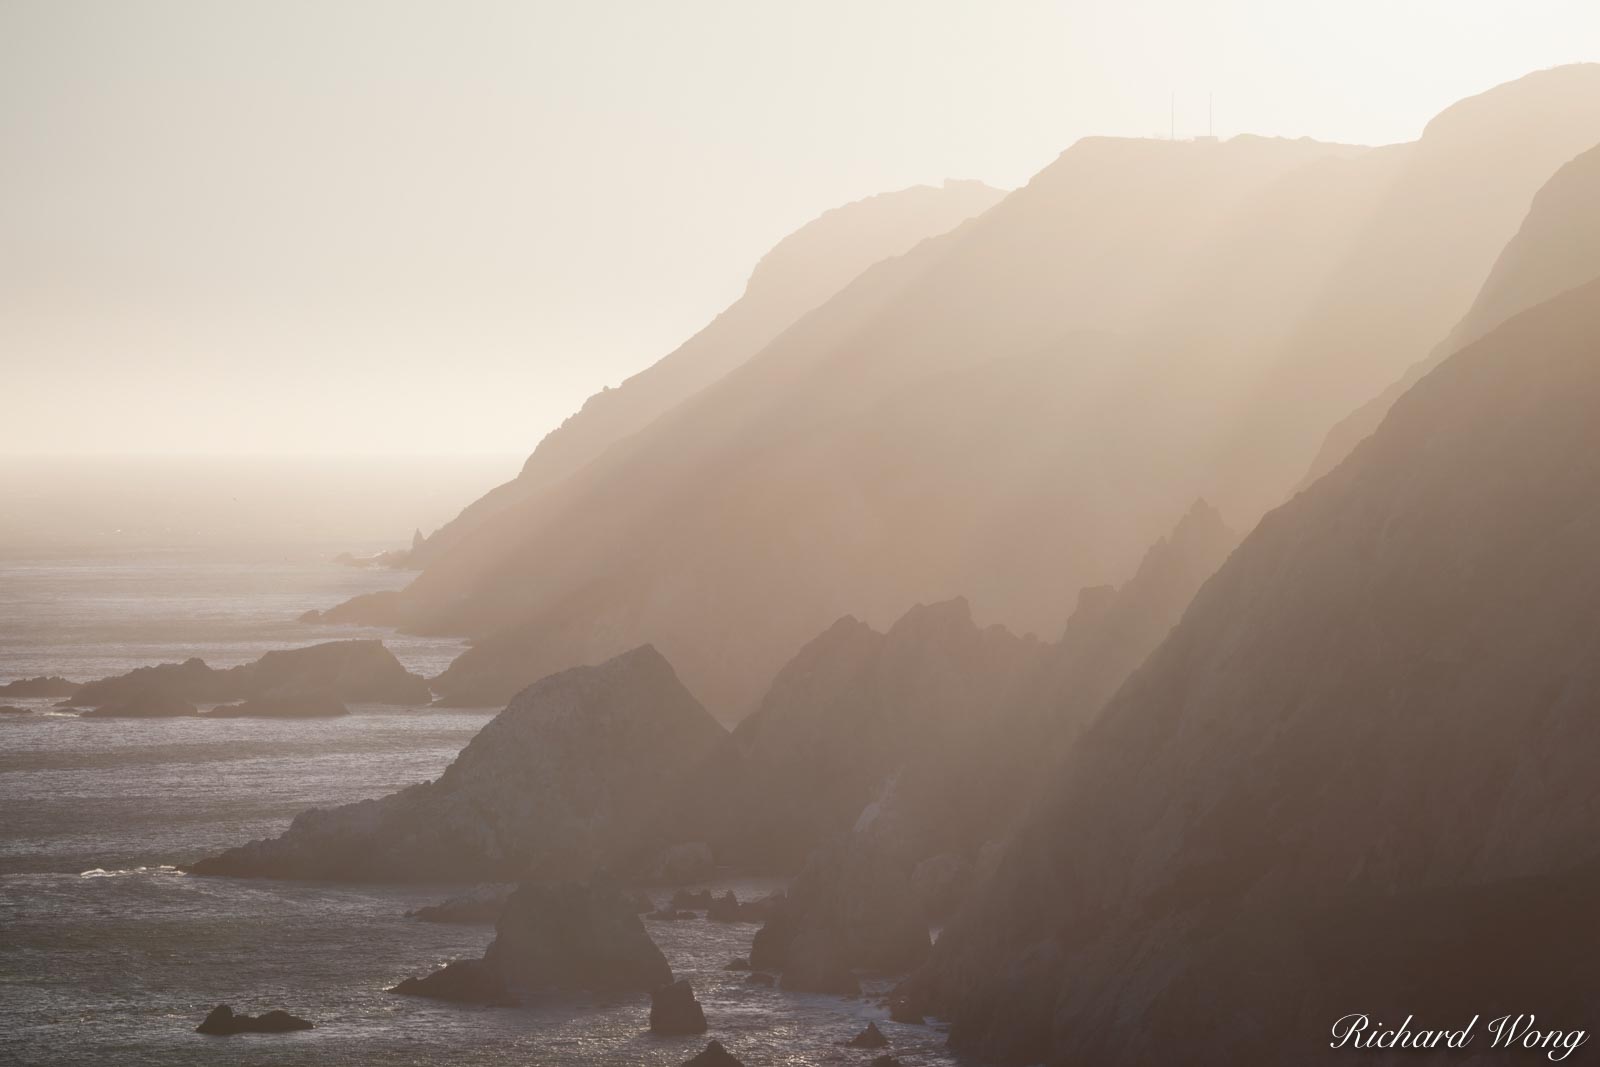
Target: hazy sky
395 227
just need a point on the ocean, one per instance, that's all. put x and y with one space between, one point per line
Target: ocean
108 953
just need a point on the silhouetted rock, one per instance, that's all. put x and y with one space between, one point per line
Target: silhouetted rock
480 905
760 979
357 671
52 686
713 1055
568 777
9 709
221 1021
871 1037
309 706
674 1010
464 981
383 608
554 936
143 706
571 936
738 963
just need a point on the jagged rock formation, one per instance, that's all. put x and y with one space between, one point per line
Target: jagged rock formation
713 1055
964 764
674 1009
555 936
1361 746
42 686
568 777
357 671
1557 248
1012 410
801 272
222 1022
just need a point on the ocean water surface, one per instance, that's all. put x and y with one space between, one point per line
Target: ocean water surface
108 953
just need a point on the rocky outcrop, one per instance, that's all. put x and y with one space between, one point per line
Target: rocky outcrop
462 981
11 709
221 1022
42 686
713 1055
1349 771
482 905
567 779
674 1010
355 671
871 1037
555 936
143 706
307 706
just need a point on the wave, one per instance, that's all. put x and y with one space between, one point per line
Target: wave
101 872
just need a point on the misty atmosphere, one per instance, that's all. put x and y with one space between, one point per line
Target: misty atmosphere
894 535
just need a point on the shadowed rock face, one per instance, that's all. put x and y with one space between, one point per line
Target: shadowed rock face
964 764
1370 728
357 671
568 776
1557 248
556 936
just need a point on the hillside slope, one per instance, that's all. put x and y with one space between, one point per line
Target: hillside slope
1380 707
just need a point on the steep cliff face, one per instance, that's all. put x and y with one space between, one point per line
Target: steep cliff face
1012 411
801 272
559 783
923 435
1557 248
966 749
1380 706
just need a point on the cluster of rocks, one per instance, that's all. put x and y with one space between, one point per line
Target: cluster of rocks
311 682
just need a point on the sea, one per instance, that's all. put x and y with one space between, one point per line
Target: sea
109 953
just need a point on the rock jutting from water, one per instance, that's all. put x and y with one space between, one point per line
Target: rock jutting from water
222 1022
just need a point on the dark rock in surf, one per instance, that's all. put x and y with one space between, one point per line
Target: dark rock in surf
674 1010
871 1037
714 1055
738 964
463 981
759 979
52 686
8 709
222 1022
